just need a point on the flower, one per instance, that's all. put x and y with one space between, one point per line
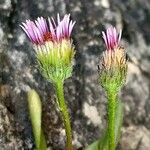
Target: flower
53 45
113 64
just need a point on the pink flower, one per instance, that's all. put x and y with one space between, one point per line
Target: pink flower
111 38
41 31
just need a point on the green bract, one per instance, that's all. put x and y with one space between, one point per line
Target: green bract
113 69
56 60
113 79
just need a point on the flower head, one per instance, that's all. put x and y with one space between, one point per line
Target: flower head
53 45
113 64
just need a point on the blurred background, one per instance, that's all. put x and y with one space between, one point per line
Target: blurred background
85 97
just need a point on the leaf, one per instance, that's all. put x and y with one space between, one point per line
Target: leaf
102 144
42 142
35 112
93 146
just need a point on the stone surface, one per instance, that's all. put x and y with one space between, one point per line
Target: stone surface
19 72
9 131
139 136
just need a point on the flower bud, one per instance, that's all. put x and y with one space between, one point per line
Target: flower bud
113 63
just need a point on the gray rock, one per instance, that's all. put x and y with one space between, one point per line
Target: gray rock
139 138
9 139
19 72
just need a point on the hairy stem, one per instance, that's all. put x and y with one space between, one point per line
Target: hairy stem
64 112
112 102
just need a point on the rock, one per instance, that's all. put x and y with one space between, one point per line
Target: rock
9 139
19 71
139 138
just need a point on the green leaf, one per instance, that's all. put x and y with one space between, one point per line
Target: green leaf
35 112
94 146
42 142
102 144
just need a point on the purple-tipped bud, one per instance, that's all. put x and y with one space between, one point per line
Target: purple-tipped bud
111 38
113 65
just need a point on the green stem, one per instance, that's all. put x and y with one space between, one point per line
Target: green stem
112 102
64 111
